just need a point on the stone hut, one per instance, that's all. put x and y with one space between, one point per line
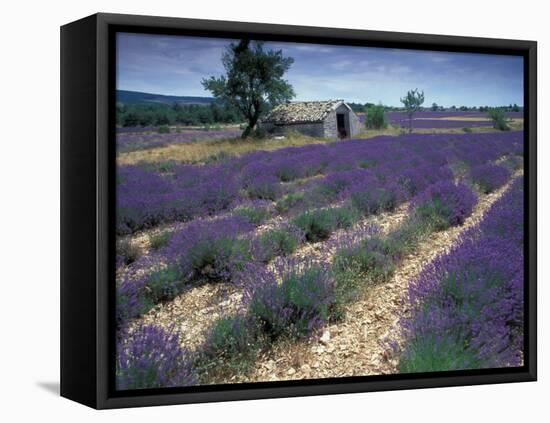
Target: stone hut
326 119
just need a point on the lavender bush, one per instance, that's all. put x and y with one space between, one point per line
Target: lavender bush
150 357
231 346
444 204
297 305
210 248
489 177
130 299
277 242
255 211
317 225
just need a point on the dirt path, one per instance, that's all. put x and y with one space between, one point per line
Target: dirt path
352 347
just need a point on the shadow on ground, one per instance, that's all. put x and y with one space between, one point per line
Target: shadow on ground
51 387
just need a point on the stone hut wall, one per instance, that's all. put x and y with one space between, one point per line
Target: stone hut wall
310 129
330 128
354 123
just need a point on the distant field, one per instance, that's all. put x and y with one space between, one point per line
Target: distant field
445 119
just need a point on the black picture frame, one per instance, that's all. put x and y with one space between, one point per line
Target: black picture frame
87 210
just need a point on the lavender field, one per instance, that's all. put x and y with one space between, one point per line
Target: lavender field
138 138
293 255
444 120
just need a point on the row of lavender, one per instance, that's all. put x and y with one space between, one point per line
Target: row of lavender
308 296
467 307
148 195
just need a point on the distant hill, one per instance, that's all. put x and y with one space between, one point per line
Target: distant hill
136 97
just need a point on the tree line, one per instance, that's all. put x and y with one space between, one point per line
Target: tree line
131 115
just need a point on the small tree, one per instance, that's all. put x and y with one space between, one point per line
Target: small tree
412 103
435 107
375 117
499 119
253 82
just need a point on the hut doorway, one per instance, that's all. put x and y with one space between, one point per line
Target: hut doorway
341 125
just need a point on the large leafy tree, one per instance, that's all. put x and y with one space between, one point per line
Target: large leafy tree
253 82
412 103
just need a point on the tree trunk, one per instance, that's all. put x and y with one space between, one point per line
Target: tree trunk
246 132
252 121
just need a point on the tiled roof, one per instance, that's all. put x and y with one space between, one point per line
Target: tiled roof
301 112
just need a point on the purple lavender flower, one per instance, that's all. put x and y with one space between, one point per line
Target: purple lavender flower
210 248
296 306
443 204
489 177
150 357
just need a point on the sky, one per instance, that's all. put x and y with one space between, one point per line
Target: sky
175 65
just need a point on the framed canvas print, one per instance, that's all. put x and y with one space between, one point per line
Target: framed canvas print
254 211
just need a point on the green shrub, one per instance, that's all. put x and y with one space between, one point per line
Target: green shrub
371 259
163 129
290 201
127 251
405 239
219 258
317 224
438 352
230 336
232 345
499 119
294 307
345 217
164 284
375 117
467 129
433 214
159 240
254 215
277 242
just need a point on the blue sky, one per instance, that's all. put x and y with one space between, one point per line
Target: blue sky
175 65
